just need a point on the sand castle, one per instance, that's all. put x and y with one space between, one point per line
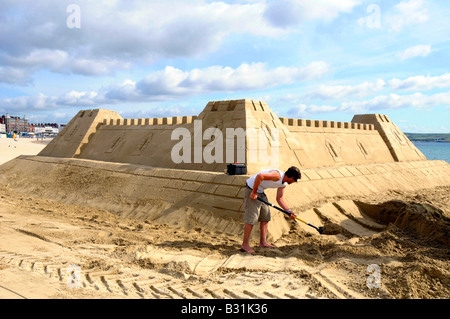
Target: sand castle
171 170
104 135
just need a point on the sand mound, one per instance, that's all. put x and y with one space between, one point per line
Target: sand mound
48 241
421 219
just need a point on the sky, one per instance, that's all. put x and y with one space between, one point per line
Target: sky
320 60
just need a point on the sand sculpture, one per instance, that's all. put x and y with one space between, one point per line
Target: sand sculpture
245 128
172 169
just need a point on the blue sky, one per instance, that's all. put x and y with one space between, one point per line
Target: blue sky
322 59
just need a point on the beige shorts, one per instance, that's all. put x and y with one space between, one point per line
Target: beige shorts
255 210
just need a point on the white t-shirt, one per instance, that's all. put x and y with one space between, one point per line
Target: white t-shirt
267 184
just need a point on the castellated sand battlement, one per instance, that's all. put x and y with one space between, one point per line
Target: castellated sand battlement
325 124
152 121
174 120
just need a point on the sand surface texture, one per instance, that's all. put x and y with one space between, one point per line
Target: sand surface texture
11 148
390 245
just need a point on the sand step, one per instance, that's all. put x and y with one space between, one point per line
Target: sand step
311 217
353 211
331 212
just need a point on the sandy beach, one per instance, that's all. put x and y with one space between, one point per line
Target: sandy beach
63 249
11 148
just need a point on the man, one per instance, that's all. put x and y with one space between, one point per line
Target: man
255 210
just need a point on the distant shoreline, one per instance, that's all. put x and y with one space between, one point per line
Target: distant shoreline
429 137
429 141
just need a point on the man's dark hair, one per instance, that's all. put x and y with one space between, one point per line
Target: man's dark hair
294 172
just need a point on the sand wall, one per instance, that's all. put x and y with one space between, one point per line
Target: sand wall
190 199
328 143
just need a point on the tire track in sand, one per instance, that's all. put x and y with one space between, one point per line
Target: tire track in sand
155 284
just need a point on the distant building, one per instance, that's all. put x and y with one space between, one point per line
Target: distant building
14 124
45 129
17 125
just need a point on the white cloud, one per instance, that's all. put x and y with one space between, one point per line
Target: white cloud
121 92
17 68
344 92
11 75
409 12
287 13
303 110
339 92
21 67
96 67
77 98
37 102
119 34
421 83
345 97
395 101
51 59
171 82
415 51
340 95
382 102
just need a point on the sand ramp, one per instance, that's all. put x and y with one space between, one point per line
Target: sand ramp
350 217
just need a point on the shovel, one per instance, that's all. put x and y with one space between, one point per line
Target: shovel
319 229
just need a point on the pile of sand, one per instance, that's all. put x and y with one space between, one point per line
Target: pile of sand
421 219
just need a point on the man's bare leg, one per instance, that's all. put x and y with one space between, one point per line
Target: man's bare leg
245 244
263 235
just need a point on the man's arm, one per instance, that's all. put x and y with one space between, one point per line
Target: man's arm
272 176
282 203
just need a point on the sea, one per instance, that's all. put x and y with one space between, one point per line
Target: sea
434 150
